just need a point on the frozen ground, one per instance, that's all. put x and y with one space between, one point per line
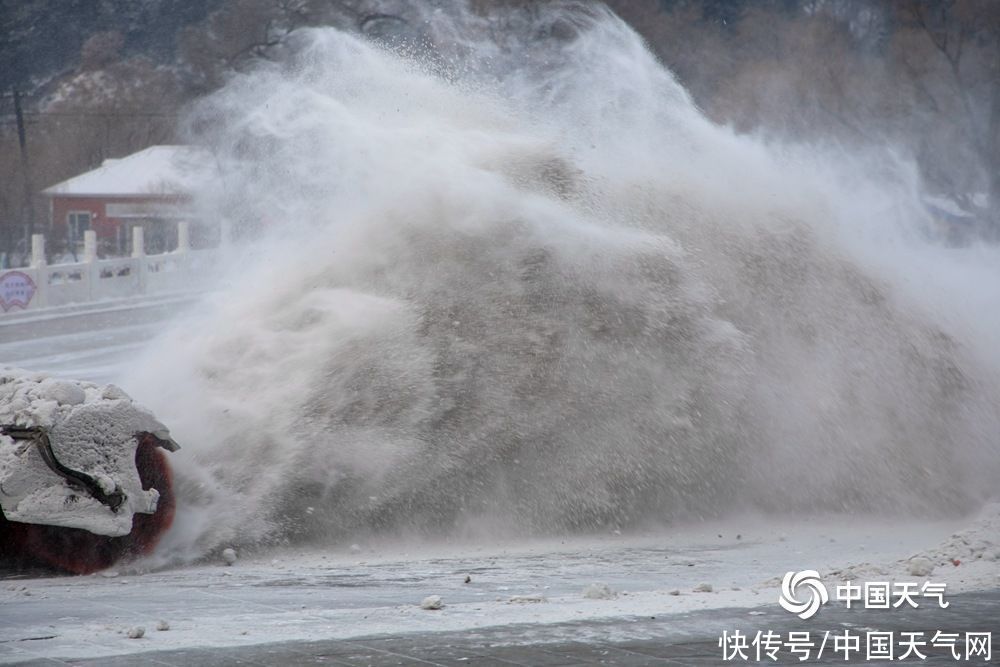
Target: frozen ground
673 640
87 341
525 594
530 593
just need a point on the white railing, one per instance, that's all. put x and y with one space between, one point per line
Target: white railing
42 285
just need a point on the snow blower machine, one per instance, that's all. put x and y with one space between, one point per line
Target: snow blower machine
84 480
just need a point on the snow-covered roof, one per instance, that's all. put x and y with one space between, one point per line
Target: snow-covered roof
166 170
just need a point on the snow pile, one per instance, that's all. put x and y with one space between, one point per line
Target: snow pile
92 430
980 541
968 559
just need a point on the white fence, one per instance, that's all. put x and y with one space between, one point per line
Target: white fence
42 285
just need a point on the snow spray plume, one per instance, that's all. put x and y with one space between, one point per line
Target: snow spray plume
534 288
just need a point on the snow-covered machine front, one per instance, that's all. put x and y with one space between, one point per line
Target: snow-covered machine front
84 481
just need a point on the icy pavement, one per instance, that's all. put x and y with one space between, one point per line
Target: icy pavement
675 640
525 594
85 342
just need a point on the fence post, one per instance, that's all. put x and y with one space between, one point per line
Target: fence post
183 236
90 259
89 246
41 272
37 251
184 245
138 243
139 255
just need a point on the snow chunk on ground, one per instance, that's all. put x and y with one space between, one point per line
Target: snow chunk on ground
432 602
599 592
919 567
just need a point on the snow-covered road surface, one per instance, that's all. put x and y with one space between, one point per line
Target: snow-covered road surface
679 640
525 593
85 342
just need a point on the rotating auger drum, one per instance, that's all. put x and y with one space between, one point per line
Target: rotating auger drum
84 478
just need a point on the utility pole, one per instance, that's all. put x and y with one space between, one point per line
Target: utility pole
29 203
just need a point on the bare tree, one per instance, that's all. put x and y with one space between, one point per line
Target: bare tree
961 46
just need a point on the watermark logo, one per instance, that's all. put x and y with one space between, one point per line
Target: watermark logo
803 593
844 645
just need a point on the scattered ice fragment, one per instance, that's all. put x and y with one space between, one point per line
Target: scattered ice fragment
703 588
355 548
162 625
919 567
229 555
527 599
432 602
599 592
137 632
109 574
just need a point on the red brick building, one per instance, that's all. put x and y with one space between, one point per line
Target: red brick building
151 189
